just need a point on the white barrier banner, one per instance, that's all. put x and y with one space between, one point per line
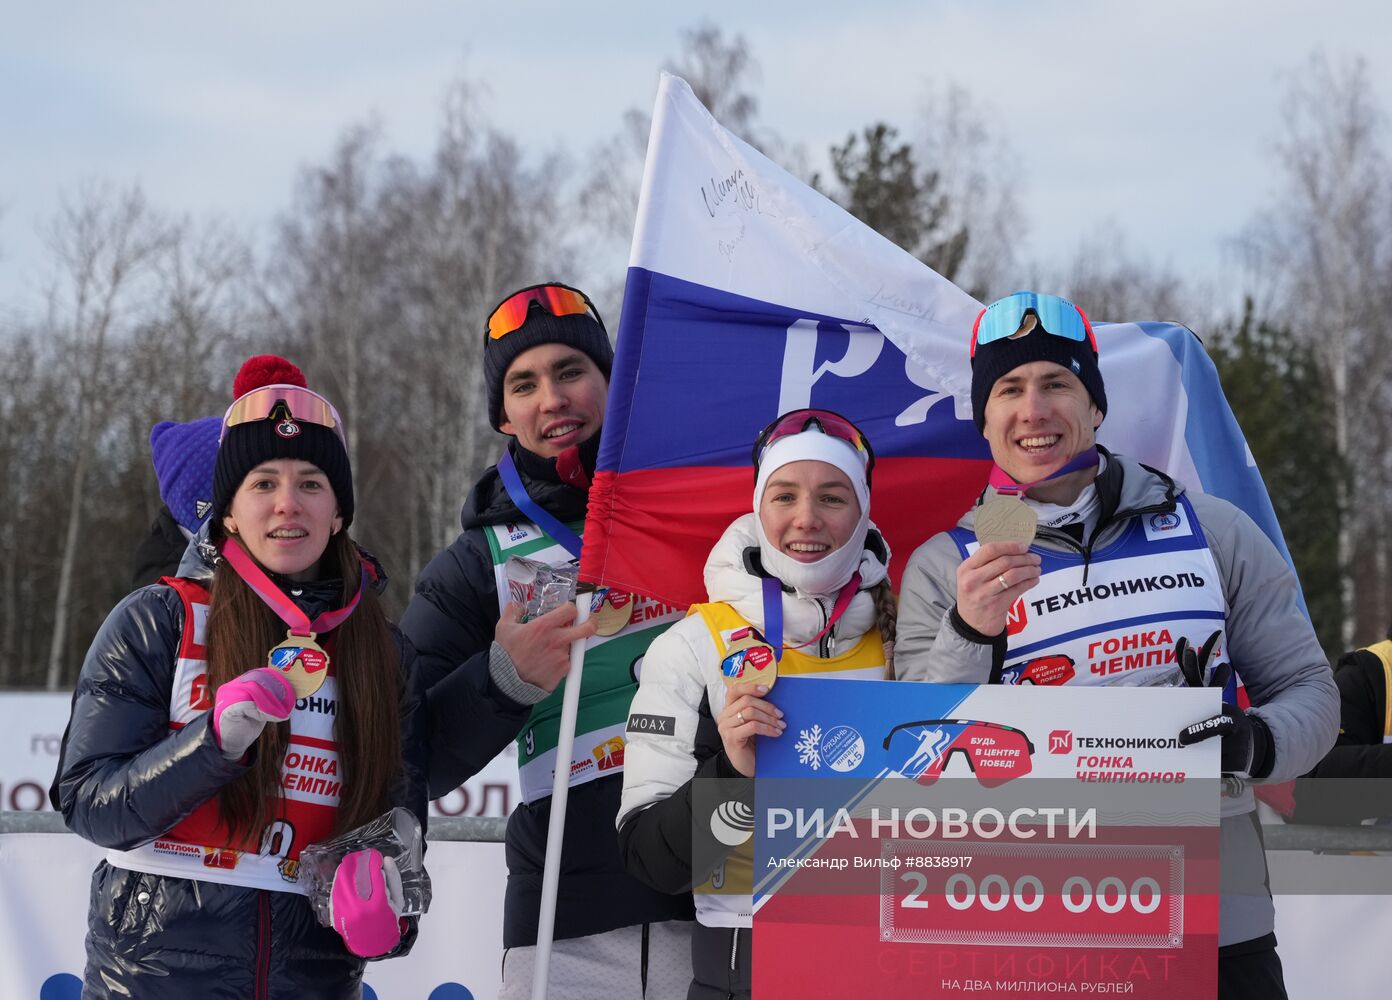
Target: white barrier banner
45 880
31 732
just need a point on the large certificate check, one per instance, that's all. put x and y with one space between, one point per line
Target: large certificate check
921 840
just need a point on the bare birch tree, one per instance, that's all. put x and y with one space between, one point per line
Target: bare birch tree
104 243
1115 282
479 223
1325 251
20 417
386 268
203 315
977 176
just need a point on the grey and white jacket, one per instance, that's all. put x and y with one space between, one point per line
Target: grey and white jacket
1269 641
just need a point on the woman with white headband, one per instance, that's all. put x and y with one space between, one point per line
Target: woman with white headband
797 586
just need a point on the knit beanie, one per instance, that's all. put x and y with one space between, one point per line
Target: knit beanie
184 455
579 330
281 435
1000 357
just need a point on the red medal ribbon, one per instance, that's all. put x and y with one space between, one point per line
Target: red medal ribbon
264 587
773 612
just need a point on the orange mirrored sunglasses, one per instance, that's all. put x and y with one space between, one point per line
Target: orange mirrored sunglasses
558 300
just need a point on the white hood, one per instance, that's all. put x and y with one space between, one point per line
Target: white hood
803 614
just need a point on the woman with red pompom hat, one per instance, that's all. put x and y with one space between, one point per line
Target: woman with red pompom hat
227 717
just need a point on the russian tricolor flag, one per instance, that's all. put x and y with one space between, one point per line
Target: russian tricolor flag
750 294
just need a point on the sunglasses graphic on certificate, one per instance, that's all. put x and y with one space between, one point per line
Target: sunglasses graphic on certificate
994 753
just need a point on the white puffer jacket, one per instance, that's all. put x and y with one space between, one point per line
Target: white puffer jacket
681 684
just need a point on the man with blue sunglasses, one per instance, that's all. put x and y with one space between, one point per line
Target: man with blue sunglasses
1070 546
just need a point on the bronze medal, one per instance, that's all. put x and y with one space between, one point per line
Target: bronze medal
611 610
1005 518
748 659
302 662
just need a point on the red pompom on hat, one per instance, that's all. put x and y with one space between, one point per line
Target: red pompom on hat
266 369
246 445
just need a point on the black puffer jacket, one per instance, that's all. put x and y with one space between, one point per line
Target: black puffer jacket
1351 784
450 621
124 780
160 552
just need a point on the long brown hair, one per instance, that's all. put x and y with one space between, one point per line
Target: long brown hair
367 720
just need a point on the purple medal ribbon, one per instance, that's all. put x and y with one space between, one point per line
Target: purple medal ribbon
1002 482
264 587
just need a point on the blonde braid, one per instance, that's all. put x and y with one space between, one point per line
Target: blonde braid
886 618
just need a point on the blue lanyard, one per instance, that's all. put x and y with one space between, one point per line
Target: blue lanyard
773 615
773 612
544 519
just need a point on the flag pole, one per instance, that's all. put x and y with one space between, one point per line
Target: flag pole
570 701
560 791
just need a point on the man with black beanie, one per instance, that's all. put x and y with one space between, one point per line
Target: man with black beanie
493 676
1062 514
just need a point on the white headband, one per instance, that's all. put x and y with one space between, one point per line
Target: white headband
812 445
830 573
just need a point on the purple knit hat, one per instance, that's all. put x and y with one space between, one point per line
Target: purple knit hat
184 455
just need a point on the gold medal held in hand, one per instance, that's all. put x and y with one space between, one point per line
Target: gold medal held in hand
302 662
611 610
1005 518
748 659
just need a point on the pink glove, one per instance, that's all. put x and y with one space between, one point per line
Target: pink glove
365 905
243 706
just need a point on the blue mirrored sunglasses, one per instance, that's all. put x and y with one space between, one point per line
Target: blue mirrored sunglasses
1058 317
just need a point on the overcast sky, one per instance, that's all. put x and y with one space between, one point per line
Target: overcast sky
1157 117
